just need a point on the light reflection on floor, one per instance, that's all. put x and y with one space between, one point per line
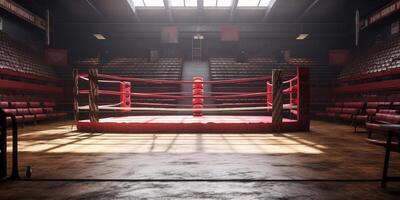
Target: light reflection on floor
62 140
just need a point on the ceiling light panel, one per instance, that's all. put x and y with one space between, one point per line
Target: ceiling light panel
99 36
302 36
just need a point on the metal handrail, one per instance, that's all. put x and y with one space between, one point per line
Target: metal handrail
14 172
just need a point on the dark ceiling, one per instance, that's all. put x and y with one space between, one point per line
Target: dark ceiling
286 18
283 11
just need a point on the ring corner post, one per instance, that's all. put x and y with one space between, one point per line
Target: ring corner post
93 96
277 100
303 95
198 96
125 97
76 96
269 95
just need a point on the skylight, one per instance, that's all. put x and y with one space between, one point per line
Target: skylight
183 3
217 3
148 3
253 3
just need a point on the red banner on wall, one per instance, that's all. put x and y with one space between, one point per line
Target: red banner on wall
230 33
386 11
169 35
338 57
56 57
23 13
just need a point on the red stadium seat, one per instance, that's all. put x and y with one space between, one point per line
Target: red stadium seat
19 119
34 104
36 110
48 110
23 111
4 104
41 117
49 104
10 111
19 104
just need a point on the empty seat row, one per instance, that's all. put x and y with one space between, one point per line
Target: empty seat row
383 117
358 113
31 111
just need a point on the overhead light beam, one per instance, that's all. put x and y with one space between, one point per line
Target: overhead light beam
269 8
307 10
133 8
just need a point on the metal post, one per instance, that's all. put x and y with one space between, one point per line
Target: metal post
76 95
48 27
3 145
277 99
387 158
14 172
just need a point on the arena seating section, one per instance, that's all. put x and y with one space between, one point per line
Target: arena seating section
15 57
373 68
379 60
322 77
25 80
368 88
164 69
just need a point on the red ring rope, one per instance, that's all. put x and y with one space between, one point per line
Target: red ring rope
190 105
119 78
291 80
169 96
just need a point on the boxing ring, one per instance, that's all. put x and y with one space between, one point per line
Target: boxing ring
285 107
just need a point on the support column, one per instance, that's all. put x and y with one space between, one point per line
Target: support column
93 95
277 99
14 169
125 98
303 98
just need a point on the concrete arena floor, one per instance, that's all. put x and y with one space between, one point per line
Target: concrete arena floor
291 164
